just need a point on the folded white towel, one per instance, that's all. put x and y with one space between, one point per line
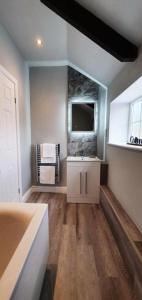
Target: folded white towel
47 174
48 153
48 150
48 160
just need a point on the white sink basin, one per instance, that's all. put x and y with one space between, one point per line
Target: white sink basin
82 158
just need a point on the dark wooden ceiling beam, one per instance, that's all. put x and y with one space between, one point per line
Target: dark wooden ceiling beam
94 28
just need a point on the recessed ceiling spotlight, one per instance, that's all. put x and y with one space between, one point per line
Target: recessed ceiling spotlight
39 42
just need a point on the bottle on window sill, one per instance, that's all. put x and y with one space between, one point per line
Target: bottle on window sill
135 141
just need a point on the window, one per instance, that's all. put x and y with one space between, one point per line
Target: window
125 127
135 119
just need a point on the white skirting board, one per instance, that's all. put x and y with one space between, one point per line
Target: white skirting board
50 189
26 196
44 189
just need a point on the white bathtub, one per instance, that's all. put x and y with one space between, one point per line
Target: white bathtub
23 250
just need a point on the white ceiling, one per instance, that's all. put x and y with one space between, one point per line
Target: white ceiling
91 58
27 19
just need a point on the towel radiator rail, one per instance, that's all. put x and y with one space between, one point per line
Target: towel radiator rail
38 163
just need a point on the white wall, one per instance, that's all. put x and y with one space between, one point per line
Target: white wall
125 180
125 166
13 62
102 106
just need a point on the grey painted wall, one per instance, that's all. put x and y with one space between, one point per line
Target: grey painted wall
48 87
125 166
13 62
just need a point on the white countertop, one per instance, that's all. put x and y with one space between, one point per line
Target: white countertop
82 158
126 146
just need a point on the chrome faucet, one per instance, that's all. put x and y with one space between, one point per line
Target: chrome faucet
80 153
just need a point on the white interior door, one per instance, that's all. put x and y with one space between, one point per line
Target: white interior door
9 182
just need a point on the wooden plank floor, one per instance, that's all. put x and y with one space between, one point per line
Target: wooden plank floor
84 260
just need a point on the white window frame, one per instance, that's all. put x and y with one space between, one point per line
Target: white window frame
139 99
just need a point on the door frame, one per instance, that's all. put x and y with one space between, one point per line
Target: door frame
15 82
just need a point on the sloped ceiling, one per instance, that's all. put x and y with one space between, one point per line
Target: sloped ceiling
27 19
124 16
91 58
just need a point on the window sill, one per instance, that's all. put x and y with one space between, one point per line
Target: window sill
126 146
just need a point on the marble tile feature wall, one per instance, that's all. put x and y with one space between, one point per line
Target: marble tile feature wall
81 87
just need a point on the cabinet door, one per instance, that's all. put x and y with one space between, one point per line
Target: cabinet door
92 181
74 181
